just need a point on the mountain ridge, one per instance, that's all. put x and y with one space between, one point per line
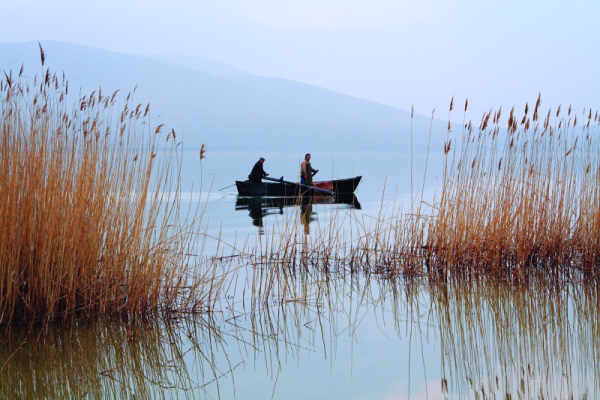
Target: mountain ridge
228 108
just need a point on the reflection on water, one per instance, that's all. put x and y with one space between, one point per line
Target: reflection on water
306 213
259 207
537 339
492 339
93 361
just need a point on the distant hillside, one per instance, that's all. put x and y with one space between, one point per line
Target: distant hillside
227 108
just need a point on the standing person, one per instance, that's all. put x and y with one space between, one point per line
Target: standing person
257 172
307 171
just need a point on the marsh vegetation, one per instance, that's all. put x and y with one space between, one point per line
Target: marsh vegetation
87 229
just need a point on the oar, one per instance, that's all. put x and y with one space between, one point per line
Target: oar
280 180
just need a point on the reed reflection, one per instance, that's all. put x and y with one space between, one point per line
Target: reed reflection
296 313
535 337
109 360
532 339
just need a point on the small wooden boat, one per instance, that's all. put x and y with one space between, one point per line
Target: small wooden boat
280 187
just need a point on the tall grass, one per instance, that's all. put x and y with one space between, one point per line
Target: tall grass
86 230
522 194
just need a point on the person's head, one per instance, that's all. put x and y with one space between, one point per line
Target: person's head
307 156
261 160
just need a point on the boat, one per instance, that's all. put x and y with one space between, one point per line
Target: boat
281 187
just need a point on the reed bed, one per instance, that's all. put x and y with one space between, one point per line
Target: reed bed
520 191
499 338
86 228
387 244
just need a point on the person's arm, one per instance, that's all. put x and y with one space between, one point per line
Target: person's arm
262 171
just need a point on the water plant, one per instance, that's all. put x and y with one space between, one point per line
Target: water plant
90 225
521 195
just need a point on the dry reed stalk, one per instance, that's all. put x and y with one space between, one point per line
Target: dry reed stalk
86 231
524 197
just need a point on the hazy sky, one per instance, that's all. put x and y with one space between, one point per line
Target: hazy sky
395 52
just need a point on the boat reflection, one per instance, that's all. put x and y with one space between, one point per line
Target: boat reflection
259 207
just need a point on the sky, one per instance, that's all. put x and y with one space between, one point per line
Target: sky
400 53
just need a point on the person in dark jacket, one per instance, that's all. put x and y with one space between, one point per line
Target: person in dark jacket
257 172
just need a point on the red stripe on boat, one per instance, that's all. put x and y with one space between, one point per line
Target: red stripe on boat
327 185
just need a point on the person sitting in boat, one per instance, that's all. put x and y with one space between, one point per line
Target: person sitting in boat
307 171
257 172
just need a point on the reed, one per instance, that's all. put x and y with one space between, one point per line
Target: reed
87 229
499 338
522 195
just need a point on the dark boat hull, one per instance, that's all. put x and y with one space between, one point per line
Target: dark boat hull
338 186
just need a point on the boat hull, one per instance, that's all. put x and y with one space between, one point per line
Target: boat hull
338 186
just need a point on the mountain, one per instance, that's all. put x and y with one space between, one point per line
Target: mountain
226 108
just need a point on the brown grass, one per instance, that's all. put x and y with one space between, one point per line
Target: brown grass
526 195
86 229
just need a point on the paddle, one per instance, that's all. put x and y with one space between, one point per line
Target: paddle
299 184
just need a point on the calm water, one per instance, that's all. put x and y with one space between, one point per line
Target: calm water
336 336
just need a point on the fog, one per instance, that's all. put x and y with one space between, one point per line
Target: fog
393 52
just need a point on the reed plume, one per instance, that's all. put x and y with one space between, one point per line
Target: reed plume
87 230
523 197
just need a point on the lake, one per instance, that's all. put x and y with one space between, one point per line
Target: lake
336 334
